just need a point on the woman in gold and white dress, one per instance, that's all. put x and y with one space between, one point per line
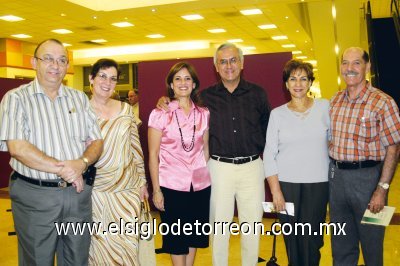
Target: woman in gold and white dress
120 183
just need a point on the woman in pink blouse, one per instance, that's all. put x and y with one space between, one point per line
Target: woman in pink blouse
178 151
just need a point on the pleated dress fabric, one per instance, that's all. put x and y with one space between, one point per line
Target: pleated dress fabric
115 198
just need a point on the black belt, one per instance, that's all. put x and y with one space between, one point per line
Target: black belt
354 165
89 176
235 160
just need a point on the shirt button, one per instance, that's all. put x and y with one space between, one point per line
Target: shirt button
234 131
233 118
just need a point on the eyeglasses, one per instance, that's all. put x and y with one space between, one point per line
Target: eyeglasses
232 61
104 77
62 61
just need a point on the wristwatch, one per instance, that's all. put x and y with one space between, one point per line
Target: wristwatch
385 186
86 161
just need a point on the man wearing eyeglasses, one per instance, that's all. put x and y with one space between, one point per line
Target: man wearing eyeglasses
239 113
46 127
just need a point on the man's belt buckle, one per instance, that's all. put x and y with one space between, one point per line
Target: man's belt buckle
62 184
238 160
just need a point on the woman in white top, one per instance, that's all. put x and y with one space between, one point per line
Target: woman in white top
296 162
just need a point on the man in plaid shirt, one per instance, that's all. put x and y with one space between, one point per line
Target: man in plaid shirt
364 152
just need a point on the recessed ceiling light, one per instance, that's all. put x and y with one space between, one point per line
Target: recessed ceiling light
99 40
63 15
248 12
216 30
11 18
297 31
155 36
296 52
301 57
288 45
21 36
122 24
66 44
94 17
279 37
62 31
192 17
267 26
235 40
287 17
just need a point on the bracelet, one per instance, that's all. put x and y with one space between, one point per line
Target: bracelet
86 162
157 191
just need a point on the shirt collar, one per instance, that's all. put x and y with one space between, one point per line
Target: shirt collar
362 96
174 105
243 85
36 88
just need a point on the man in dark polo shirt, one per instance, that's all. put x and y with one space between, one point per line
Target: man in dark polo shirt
239 112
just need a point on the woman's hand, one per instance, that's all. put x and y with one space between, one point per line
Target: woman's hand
143 193
158 200
278 201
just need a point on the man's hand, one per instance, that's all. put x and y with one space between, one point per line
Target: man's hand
71 172
163 103
378 200
78 184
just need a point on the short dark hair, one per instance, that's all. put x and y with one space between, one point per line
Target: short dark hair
194 96
48 40
365 56
294 65
136 91
102 64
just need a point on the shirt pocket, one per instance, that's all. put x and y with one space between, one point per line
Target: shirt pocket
367 127
77 126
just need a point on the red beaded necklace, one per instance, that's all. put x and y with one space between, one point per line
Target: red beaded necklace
191 146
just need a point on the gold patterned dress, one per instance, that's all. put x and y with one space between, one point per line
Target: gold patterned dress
115 198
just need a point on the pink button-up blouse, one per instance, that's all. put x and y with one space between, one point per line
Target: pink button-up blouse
178 169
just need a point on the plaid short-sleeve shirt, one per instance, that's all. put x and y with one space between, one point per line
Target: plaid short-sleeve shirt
362 128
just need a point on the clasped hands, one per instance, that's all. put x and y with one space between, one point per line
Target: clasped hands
71 172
